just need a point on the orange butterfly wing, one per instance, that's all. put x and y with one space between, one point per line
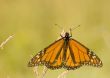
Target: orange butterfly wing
50 56
70 56
78 55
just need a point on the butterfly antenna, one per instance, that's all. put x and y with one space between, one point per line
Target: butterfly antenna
59 26
62 33
73 29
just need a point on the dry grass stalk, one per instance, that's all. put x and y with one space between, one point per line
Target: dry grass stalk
44 72
63 75
35 69
4 42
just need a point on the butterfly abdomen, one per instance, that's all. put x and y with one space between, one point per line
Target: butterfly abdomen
66 41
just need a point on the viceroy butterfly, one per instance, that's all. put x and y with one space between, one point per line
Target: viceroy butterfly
65 53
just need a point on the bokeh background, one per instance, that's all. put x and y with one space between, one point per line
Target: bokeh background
32 24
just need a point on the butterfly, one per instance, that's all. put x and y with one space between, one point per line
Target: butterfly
66 53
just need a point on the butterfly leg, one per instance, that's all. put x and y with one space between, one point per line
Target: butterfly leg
62 34
70 32
62 75
44 72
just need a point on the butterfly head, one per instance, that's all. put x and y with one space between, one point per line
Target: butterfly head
67 35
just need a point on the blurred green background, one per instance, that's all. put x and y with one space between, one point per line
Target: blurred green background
32 24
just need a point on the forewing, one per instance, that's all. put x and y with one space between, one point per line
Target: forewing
78 55
50 56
